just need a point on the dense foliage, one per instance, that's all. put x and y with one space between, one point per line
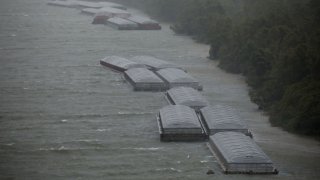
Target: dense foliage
275 44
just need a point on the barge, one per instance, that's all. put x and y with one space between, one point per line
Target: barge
97 5
179 123
69 4
153 63
143 79
112 5
121 24
90 11
238 153
119 64
186 96
87 4
114 12
145 23
220 118
177 77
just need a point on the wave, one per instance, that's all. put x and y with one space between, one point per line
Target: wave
144 149
169 169
8 144
133 113
103 130
66 149
66 118
13 14
88 140
204 161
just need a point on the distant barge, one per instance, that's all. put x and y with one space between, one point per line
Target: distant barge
90 11
106 11
145 23
114 12
122 24
112 5
110 13
85 4
69 4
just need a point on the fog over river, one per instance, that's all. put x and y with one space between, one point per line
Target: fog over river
63 116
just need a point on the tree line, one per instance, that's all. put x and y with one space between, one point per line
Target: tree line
275 44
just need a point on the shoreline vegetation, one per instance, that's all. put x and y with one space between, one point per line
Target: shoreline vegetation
275 44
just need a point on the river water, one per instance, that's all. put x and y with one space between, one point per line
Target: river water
63 116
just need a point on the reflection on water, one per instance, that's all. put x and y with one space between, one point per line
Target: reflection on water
63 116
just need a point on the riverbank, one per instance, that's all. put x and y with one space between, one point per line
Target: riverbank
272 44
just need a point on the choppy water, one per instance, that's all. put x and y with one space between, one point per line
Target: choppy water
63 116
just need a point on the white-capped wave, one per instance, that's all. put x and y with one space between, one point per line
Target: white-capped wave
169 169
103 130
